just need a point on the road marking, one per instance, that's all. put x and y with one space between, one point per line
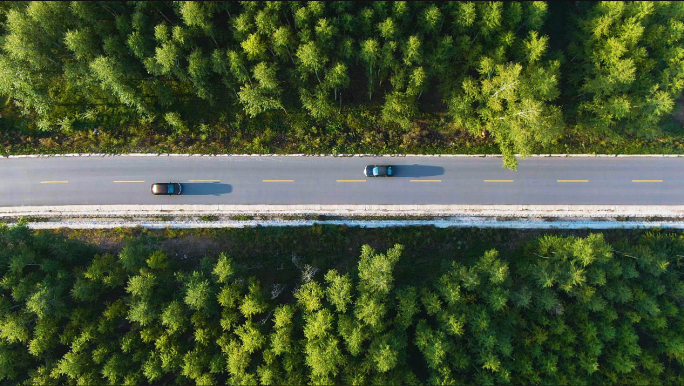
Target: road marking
426 180
647 180
498 180
54 182
128 181
573 180
204 181
351 180
278 180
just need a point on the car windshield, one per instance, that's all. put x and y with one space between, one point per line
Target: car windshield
170 187
376 171
389 170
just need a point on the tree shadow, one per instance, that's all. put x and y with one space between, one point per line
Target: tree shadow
206 188
417 170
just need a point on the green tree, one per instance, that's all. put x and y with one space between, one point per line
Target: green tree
265 94
512 103
370 54
339 292
628 67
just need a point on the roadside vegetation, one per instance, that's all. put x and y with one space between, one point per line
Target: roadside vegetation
340 305
341 77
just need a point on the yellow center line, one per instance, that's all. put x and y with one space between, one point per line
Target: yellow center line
647 180
573 180
278 180
498 180
351 180
426 180
204 181
54 182
129 181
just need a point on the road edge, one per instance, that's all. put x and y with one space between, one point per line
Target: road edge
326 155
463 222
523 211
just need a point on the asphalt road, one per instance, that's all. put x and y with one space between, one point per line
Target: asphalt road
340 180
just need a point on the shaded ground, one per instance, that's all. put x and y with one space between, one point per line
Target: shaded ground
678 114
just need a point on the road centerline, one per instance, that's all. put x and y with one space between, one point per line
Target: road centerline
306 180
572 181
426 180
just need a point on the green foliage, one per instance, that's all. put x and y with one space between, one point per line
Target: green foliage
264 95
224 268
339 291
264 77
628 66
508 89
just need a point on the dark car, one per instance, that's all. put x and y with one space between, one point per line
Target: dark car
167 188
378 171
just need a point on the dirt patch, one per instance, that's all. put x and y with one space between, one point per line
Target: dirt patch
104 240
192 247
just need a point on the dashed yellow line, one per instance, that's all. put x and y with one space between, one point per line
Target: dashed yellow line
498 180
133 181
351 180
54 182
426 180
647 180
573 180
204 181
278 180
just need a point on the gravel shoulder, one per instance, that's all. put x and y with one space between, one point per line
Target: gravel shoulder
367 216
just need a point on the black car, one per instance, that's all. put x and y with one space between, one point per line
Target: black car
167 188
379 171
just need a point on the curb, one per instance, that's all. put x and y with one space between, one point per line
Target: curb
522 211
327 155
449 223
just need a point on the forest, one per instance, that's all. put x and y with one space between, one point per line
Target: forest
321 305
341 77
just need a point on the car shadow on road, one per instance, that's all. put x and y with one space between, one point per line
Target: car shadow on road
206 188
416 171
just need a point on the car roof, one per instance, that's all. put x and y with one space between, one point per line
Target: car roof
160 187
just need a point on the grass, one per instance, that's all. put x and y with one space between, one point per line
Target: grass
430 136
162 218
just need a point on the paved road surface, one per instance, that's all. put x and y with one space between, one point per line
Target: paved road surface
340 180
